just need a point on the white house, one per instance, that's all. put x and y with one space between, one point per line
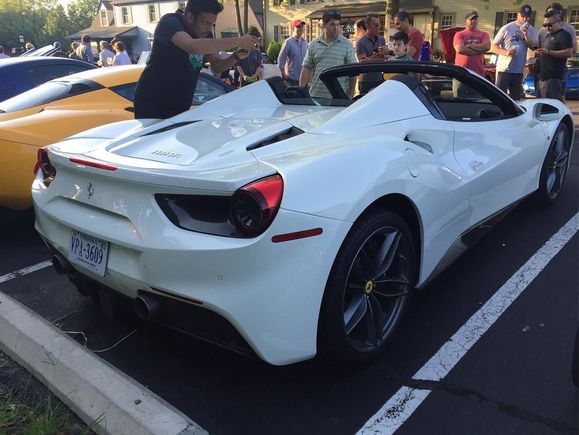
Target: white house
134 22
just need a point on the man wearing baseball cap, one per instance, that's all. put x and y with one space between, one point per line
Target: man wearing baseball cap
291 55
471 44
511 44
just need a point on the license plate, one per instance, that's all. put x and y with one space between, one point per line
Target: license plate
88 252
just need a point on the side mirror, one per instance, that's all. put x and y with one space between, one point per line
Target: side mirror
544 112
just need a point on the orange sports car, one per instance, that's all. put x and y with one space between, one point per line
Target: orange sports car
63 107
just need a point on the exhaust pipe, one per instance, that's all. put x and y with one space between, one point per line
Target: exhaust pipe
61 264
146 307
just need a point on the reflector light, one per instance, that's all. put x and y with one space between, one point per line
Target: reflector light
297 235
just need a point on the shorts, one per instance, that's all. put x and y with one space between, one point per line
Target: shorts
551 88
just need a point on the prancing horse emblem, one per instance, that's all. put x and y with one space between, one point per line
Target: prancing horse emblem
90 189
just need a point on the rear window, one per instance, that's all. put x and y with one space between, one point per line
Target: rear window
126 91
36 75
46 93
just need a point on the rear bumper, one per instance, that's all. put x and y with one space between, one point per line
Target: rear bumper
270 292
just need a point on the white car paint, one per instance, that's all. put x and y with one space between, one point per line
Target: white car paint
454 174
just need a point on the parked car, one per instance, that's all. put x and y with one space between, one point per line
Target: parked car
19 74
47 50
292 224
63 107
572 84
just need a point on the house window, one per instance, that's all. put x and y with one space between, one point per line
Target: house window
104 20
125 15
152 13
510 16
446 21
284 31
574 18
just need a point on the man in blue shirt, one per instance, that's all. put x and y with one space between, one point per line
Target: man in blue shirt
291 55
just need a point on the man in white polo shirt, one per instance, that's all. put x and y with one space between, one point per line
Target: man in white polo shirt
329 50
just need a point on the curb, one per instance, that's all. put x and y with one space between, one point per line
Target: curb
106 399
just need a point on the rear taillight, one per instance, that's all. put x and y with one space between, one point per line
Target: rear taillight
43 164
248 213
255 205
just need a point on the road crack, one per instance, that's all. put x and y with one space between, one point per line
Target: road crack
503 407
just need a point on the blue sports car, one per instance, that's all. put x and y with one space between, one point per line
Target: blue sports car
572 85
19 74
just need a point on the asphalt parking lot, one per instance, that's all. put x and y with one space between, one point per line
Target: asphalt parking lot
514 379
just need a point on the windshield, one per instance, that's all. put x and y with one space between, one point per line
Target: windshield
46 93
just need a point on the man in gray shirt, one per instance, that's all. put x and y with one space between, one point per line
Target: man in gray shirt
511 43
292 53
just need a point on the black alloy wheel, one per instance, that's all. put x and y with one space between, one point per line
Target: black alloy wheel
369 288
554 169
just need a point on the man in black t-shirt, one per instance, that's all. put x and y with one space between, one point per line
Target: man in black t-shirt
180 44
554 51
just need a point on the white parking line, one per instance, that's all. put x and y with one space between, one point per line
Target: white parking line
406 400
24 271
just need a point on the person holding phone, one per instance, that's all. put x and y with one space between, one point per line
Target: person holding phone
181 42
511 43
369 48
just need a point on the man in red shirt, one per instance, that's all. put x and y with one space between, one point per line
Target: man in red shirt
415 36
471 44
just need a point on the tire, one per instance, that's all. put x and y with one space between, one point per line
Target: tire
554 169
368 289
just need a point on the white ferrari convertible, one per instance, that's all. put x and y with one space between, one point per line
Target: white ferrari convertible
287 224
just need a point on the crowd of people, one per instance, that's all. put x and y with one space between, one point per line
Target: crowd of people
183 43
552 45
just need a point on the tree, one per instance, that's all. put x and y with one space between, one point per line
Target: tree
392 8
245 16
81 13
57 24
238 17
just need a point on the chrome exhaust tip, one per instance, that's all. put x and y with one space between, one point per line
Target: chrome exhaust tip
146 307
61 264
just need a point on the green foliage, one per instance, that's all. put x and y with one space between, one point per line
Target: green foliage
43 22
438 55
81 13
273 50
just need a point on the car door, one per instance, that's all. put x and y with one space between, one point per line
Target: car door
496 148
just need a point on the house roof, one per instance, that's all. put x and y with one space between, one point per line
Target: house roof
106 32
378 8
130 2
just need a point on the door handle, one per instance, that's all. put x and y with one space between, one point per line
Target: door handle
420 144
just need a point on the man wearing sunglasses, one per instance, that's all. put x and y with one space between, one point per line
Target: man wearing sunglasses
553 54
511 44
543 33
471 44
329 50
